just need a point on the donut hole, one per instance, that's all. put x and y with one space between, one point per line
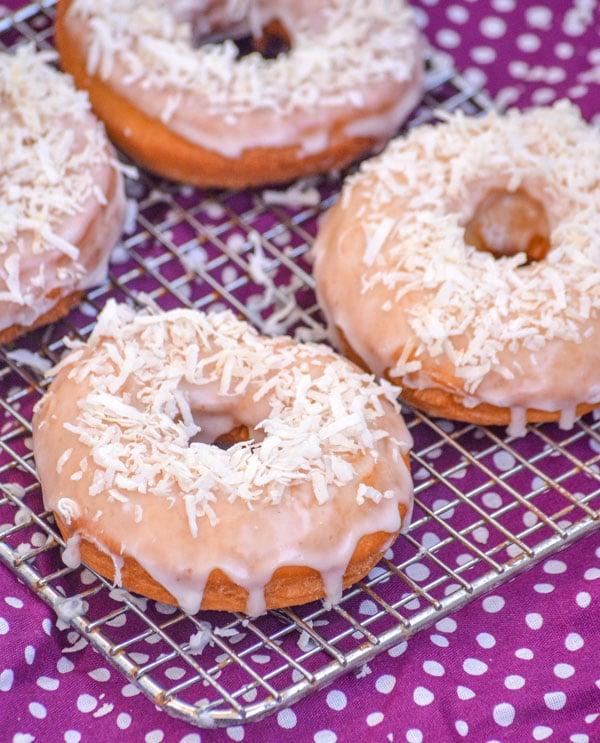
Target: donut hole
272 40
234 436
509 222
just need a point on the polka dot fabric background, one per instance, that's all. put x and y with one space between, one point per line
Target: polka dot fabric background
520 664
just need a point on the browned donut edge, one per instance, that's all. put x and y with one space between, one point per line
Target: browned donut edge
441 403
149 142
289 585
60 309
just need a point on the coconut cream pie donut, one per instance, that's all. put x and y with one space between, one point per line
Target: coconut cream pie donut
194 461
62 202
178 96
463 264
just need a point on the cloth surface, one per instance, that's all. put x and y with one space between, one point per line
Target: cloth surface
518 664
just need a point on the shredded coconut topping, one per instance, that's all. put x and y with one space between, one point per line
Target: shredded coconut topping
163 386
51 154
155 41
462 303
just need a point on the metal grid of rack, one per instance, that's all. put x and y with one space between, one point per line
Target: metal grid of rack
487 506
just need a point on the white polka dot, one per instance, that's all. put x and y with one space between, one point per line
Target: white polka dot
336 700
397 650
462 728
423 696
100 674
493 604
174 673
543 96
191 738
543 587
14 602
485 640
47 683
555 699
325 736
504 460
236 732
86 703
518 69
72 736
123 721
385 684
38 710
483 54
504 6
130 690
447 38
374 719
474 667
574 641
418 571
7 678
539 16
440 505
433 668
541 732
64 665
430 539
564 50
555 567
464 693
492 501
154 736
4 626
563 670
514 681
493 27
457 14
504 714
528 43
579 738
368 608
440 641
555 75
592 574
414 735
287 719
534 620
447 624
524 653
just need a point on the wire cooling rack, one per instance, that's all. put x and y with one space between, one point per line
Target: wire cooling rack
487 506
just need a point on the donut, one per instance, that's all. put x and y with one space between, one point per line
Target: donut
463 264
61 193
191 460
334 81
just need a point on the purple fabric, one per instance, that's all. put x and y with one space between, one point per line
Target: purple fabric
519 664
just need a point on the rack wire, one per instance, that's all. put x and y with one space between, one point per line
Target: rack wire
488 506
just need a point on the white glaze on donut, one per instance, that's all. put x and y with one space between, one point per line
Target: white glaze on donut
395 276
352 63
123 443
61 193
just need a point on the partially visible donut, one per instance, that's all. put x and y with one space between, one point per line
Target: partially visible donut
61 194
194 461
191 108
463 264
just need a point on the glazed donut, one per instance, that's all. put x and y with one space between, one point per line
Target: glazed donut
61 194
192 108
466 260
133 446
